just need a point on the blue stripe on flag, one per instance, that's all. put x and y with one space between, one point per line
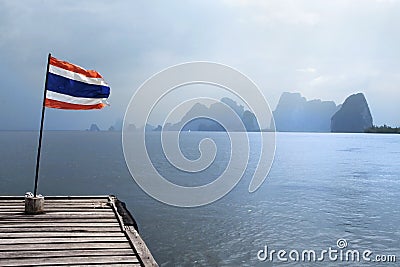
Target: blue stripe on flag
70 87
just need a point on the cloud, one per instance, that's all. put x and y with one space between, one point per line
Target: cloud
324 49
307 70
276 11
387 1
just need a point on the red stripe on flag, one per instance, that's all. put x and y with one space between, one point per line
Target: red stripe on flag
74 68
50 103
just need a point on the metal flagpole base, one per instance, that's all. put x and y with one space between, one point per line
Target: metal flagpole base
34 205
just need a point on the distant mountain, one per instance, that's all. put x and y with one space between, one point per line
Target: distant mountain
206 122
295 114
94 128
158 128
118 125
353 117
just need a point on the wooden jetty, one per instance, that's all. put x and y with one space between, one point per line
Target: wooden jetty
72 231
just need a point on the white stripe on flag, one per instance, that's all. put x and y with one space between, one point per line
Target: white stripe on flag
76 76
72 99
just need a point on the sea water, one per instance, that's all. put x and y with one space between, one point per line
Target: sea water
321 188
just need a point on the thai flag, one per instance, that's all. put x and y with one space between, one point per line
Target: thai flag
72 87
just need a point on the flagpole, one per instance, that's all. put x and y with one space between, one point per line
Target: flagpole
41 128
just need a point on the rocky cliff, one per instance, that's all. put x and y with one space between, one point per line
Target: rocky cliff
295 114
353 117
94 128
206 123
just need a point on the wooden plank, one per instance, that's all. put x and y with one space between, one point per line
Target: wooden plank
108 264
62 197
80 197
72 207
58 203
34 223
75 200
73 231
7 221
57 216
61 240
55 213
60 234
6 204
66 253
56 228
104 205
86 205
81 246
136 241
140 247
58 207
4 212
61 206
55 220
69 260
23 216
89 207
59 224
75 208
11 201
92 212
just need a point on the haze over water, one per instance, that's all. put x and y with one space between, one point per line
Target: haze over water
321 187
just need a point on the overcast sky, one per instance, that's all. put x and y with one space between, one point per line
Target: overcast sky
322 49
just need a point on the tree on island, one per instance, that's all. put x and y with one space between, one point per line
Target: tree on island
383 129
